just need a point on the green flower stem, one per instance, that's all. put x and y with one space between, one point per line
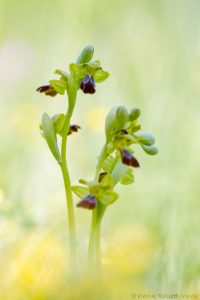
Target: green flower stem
91 248
68 193
101 159
72 94
93 256
102 209
94 252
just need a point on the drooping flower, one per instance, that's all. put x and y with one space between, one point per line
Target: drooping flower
48 90
73 128
88 202
87 85
128 159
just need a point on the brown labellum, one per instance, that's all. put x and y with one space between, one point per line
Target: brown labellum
88 202
48 90
128 159
73 128
88 85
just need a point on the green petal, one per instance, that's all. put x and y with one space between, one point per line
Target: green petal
80 191
101 76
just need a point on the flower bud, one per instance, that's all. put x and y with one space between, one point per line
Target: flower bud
128 159
134 114
116 120
88 85
146 138
86 55
151 150
88 202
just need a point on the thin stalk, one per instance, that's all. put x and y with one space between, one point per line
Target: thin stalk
91 248
68 194
92 253
97 215
98 236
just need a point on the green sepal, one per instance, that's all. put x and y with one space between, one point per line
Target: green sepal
77 70
151 150
123 140
72 92
108 198
108 163
58 123
50 136
119 171
107 182
80 191
146 138
80 71
59 85
96 189
128 178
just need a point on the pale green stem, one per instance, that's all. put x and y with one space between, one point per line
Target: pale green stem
91 248
68 193
92 255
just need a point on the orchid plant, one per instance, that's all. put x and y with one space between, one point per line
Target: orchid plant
116 162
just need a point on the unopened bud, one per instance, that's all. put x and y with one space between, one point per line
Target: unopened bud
86 55
115 120
134 114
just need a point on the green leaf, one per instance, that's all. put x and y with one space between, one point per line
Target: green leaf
86 55
58 123
101 76
108 163
59 85
80 191
108 198
128 178
146 138
50 136
151 150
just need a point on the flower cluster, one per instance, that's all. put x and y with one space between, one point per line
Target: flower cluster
85 72
117 161
81 75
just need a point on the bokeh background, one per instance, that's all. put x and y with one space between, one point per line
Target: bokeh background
151 236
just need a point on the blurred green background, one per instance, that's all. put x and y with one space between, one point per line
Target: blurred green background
151 236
